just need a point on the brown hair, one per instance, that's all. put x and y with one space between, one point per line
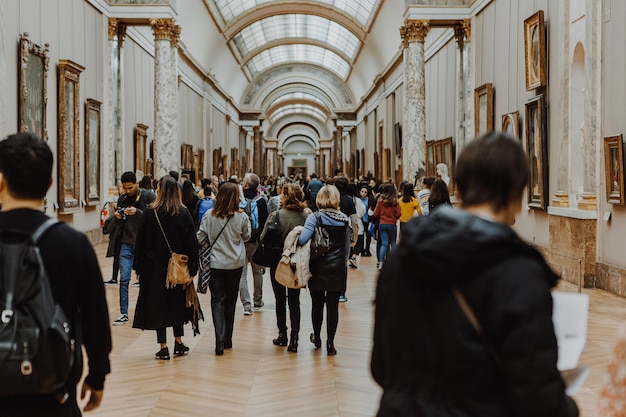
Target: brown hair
168 197
292 198
227 200
389 194
328 197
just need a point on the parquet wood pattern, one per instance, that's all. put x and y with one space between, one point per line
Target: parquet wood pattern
256 378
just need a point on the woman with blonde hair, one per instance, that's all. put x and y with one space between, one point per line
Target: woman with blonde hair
227 228
166 224
329 272
292 213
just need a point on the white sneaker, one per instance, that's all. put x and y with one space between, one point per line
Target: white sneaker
122 319
353 263
247 312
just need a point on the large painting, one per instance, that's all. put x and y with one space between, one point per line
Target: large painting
537 148
92 151
440 161
33 94
141 148
535 51
614 169
510 124
69 135
483 109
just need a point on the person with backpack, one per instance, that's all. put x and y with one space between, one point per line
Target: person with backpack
292 212
203 205
255 206
72 282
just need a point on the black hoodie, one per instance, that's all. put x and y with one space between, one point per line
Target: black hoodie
428 358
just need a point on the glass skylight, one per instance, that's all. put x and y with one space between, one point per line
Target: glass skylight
296 26
305 109
359 9
296 96
299 53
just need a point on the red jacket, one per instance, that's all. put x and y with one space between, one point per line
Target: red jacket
386 213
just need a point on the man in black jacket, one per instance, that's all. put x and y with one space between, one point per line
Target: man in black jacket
430 356
130 207
72 269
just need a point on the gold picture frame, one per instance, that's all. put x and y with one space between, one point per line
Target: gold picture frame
483 109
92 151
510 124
69 136
33 92
537 148
535 51
614 169
441 152
141 148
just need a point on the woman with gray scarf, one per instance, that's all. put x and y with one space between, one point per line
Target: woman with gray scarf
329 272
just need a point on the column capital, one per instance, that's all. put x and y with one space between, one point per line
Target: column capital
166 29
414 31
117 27
463 32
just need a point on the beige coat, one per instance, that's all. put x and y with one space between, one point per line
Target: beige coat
297 257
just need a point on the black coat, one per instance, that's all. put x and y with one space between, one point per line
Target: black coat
428 358
76 283
158 306
330 272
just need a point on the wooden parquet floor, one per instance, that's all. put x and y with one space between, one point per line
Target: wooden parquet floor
256 378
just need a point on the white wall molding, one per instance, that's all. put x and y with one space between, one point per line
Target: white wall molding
135 11
447 13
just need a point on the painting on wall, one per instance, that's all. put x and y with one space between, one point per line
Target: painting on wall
92 151
483 109
510 124
69 136
440 161
535 51
537 148
141 148
33 94
614 169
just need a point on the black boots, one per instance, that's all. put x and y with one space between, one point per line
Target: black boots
281 340
293 343
219 348
330 348
180 349
315 340
163 354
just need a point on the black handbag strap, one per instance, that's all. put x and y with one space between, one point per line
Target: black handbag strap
218 235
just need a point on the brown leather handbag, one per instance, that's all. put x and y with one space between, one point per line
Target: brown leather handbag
177 269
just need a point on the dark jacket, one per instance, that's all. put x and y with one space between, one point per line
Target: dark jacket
330 272
428 358
157 306
311 190
127 229
261 204
76 283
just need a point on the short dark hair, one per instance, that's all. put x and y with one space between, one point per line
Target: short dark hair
129 176
492 169
26 164
313 175
174 174
341 183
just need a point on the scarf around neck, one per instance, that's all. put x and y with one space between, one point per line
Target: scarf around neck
335 214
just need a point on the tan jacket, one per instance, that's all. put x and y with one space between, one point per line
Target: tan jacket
298 256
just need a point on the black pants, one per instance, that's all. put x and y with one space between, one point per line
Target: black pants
331 299
284 295
162 338
116 259
367 239
224 287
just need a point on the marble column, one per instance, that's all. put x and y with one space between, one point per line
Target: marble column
462 32
413 34
561 195
257 143
338 150
167 146
117 31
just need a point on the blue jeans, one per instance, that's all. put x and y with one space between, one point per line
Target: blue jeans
127 255
387 234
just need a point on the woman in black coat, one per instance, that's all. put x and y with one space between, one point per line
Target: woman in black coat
463 322
159 307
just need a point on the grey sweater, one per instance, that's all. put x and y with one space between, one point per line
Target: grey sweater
229 251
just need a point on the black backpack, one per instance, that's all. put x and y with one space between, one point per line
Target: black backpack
36 348
270 248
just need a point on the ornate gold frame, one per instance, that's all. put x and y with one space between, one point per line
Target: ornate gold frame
537 148
141 148
614 169
510 124
483 109
69 136
535 51
93 146
33 91
437 152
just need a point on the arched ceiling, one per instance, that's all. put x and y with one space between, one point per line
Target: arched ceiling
297 55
